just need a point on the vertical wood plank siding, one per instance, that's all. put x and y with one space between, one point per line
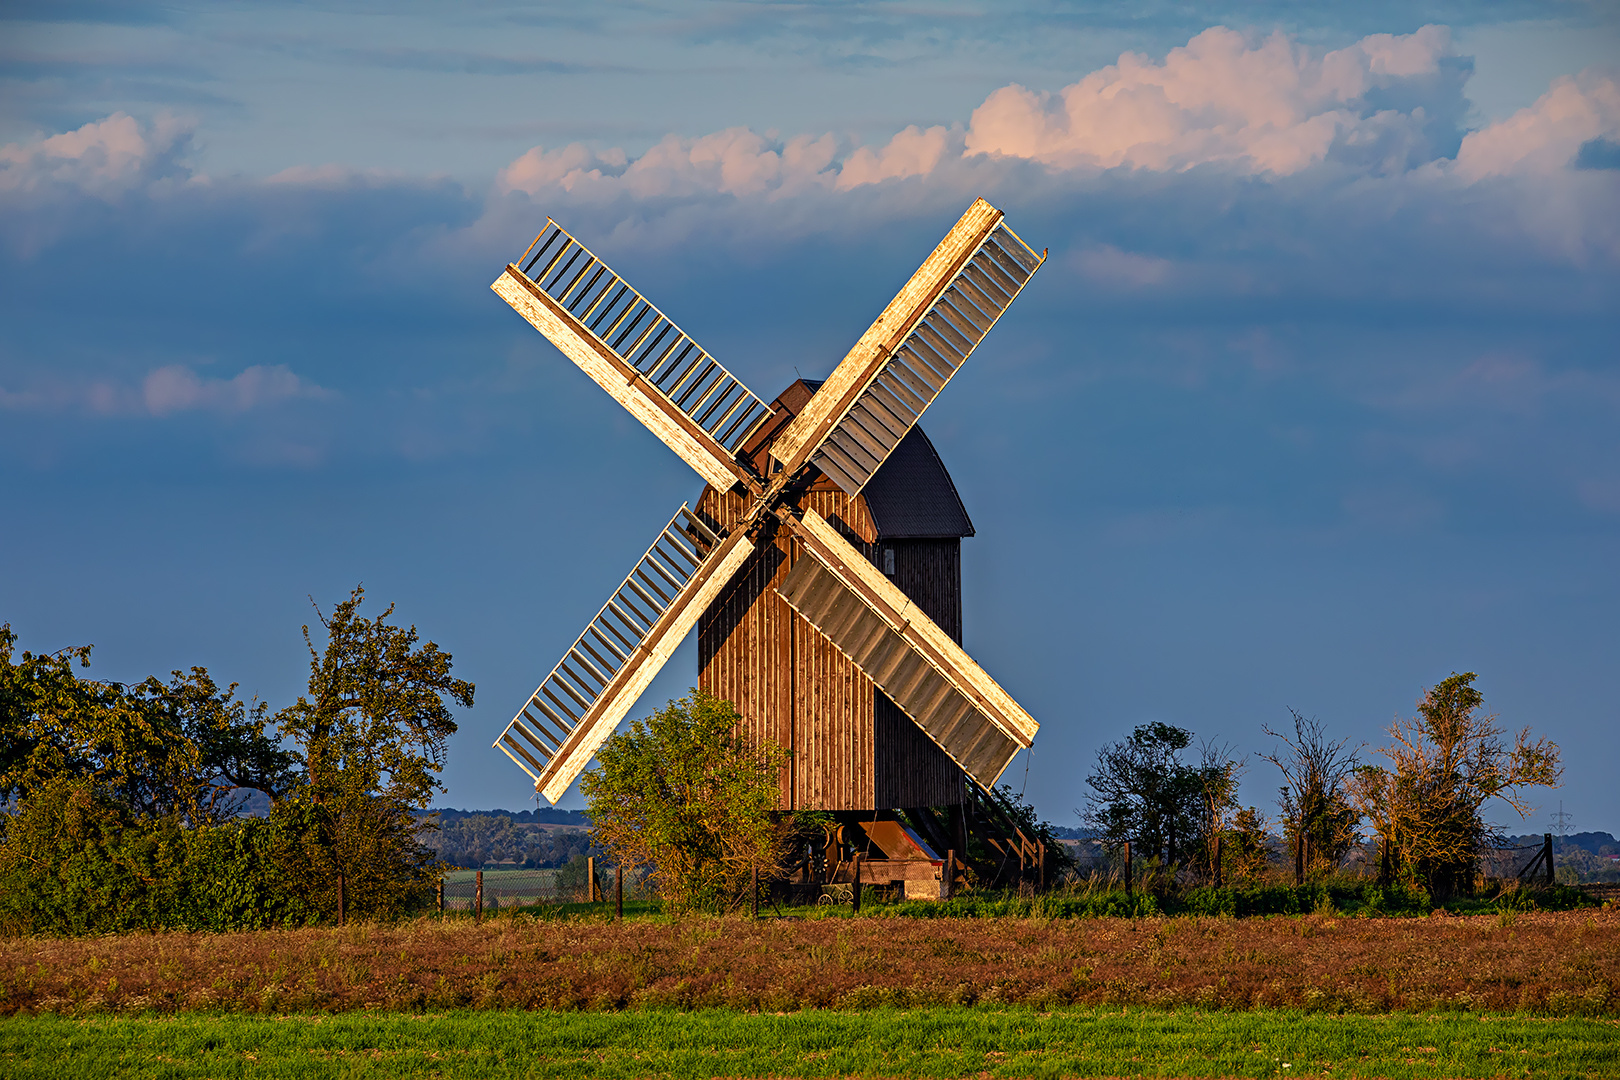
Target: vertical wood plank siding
852 748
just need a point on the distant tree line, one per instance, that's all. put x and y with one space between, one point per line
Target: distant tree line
122 801
477 841
1421 806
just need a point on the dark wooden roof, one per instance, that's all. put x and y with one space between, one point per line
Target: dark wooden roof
911 496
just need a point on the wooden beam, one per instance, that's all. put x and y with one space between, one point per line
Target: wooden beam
887 871
914 626
695 446
804 435
620 695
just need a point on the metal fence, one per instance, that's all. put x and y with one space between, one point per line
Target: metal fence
509 888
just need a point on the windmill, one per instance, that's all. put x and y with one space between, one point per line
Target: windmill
782 565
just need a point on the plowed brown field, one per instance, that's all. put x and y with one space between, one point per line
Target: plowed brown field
1562 964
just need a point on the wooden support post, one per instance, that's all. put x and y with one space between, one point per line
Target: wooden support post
947 876
1299 856
1547 854
1385 869
590 879
618 892
857 890
1127 870
342 898
478 897
441 896
1219 840
753 895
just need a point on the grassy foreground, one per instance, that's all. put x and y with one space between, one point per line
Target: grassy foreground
1543 963
940 1042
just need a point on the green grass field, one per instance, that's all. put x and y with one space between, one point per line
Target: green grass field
949 1042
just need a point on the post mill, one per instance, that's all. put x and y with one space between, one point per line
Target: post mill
821 566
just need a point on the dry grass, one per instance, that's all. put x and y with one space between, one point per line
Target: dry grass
1551 963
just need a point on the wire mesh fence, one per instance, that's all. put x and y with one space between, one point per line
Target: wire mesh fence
1508 863
515 888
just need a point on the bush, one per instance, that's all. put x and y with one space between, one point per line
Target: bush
74 862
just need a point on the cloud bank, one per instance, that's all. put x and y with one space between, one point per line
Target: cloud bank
1201 208
1271 107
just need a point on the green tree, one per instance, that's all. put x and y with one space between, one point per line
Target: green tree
1247 850
181 748
686 793
1142 791
372 731
1445 764
1315 797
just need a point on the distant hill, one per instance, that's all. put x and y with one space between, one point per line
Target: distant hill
548 815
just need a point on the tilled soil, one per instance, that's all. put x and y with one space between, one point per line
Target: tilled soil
1551 963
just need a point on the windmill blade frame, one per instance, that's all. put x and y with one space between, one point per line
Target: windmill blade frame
900 365
636 353
580 702
906 655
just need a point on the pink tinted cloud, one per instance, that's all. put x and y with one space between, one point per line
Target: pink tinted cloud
1546 136
104 157
1268 107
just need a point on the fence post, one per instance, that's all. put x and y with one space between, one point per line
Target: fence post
857 897
947 879
754 894
1299 856
618 891
590 877
1547 853
1127 871
1218 842
478 898
1384 869
441 896
341 898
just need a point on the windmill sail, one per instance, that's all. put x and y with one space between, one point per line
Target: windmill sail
635 353
953 700
902 363
577 706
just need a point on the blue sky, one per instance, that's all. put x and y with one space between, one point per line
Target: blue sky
1315 401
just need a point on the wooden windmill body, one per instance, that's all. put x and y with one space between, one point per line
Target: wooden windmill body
851 748
822 565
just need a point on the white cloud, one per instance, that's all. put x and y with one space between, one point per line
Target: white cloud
913 152
104 157
176 388
1273 107
1269 107
1546 136
736 161
167 390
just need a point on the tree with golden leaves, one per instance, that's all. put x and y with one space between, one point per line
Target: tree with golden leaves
1445 764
